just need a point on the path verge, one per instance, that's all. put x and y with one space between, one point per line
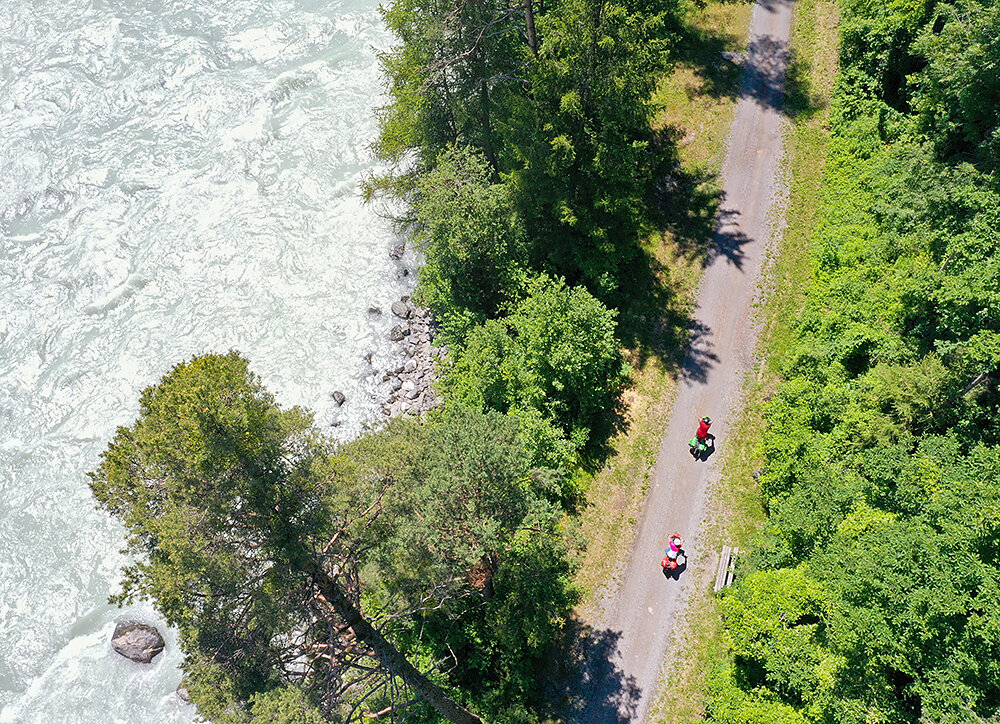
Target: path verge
697 101
735 504
631 626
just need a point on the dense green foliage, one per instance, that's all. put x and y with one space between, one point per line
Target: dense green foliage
874 594
482 560
456 67
958 98
521 142
473 243
202 483
585 159
555 96
262 541
555 354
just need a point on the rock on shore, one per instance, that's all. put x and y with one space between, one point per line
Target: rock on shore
412 377
137 641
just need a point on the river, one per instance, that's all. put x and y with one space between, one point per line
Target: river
175 178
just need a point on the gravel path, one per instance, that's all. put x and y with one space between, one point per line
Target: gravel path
632 628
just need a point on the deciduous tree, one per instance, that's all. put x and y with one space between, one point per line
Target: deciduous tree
472 239
556 352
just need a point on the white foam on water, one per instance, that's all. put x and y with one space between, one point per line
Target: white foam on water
175 178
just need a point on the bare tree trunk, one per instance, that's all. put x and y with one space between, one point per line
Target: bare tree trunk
389 655
983 376
529 21
491 156
947 261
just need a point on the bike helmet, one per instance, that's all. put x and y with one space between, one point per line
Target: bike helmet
706 419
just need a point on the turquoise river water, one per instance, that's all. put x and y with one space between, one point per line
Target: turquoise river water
175 177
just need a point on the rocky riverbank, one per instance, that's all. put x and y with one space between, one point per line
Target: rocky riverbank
412 372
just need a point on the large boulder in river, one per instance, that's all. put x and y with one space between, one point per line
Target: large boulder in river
401 309
398 334
137 641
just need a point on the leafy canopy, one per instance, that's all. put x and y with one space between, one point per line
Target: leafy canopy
216 487
555 353
473 242
872 594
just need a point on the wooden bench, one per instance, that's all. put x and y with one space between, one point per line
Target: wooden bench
727 567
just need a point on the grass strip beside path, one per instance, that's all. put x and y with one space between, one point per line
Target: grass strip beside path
697 101
735 505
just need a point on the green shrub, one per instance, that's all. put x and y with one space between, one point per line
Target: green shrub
555 353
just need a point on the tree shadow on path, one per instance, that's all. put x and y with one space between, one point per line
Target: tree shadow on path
699 358
690 206
592 686
755 73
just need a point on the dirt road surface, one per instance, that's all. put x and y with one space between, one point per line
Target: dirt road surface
632 627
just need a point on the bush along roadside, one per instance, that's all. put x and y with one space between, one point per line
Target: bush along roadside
873 593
